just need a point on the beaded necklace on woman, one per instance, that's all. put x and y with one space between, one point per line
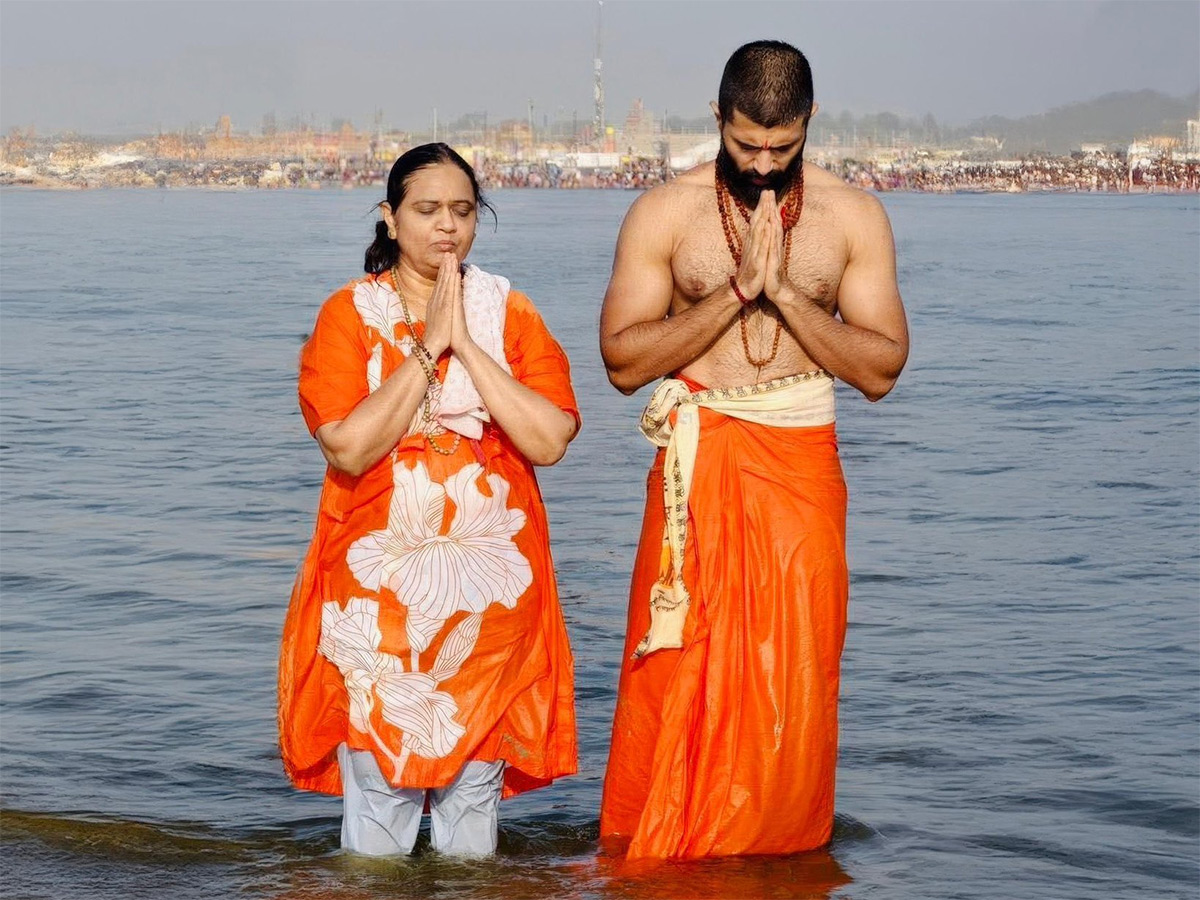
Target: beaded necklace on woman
790 215
429 367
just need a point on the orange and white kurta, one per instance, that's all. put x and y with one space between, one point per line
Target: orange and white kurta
425 625
725 733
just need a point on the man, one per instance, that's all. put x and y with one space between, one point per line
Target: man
750 282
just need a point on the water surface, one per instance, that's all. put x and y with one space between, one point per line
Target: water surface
1019 712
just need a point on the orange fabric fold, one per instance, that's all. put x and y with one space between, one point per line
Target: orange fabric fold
728 746
425 625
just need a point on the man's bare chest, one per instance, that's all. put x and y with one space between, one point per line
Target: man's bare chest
702 262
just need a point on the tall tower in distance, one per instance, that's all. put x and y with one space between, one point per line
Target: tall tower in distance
598 84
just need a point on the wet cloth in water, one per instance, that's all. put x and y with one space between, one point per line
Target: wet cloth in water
728 743
380 820
424 627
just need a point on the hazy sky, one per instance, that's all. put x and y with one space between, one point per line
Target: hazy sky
101 67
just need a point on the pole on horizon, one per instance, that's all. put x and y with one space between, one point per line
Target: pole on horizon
666 143
598 78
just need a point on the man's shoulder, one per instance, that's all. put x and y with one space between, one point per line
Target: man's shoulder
824 188
679 197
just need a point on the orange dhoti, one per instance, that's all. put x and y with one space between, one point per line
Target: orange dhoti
728 745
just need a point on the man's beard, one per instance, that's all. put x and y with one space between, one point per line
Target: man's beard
742 184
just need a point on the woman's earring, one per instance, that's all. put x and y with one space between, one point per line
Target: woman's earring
392 233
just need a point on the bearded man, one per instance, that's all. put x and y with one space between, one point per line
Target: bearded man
751 283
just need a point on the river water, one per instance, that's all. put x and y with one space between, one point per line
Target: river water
1019 714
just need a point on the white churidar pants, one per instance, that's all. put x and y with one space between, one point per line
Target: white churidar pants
381 820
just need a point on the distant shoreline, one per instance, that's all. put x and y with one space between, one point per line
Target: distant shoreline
58 186
913 172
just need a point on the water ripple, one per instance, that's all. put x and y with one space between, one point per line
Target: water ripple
1019 712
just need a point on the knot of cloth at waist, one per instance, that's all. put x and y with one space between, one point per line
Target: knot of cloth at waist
794 401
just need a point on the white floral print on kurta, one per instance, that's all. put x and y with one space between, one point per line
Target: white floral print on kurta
375 362
379 308
350 639
375 369
475 564
413 704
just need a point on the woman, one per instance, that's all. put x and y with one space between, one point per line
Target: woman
424 654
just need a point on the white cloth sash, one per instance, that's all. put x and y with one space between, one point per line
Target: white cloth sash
485 301
457 405
795 401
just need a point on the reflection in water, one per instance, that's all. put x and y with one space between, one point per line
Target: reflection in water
811 876
302 862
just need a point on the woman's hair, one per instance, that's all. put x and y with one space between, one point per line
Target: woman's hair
384 252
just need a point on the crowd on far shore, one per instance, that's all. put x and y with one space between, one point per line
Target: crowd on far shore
919 172
637 174
1095 172
1101 173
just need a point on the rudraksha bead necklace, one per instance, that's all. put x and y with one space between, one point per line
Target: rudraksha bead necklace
789 214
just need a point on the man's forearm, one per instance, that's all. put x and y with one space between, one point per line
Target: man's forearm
637 355
866 359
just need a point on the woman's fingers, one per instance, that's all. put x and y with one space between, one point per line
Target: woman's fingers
458 331
439 312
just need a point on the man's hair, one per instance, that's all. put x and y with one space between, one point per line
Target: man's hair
769 82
